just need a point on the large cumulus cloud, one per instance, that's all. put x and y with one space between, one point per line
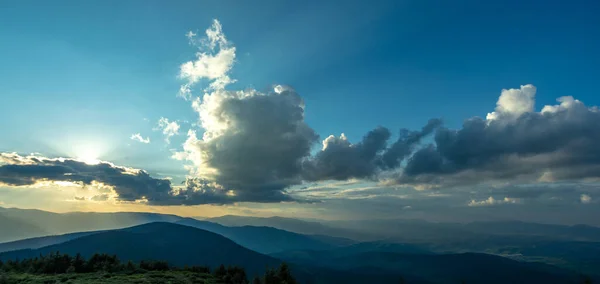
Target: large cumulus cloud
514 143
254 143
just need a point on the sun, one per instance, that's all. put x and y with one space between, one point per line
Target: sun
89 159
88 155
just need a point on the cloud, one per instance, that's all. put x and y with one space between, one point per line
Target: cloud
491 201
213 61
407 142
100 197
585 199
138 137
168 128
513 144
514 102
129 185
257 144
341 160
253 143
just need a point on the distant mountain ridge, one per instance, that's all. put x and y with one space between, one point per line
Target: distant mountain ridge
15 229
45 223
39 242
295 225
261 239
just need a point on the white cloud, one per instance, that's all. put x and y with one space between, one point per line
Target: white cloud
169 128
514 102
213 62
566 103
138 137
330 140
492 201
585 199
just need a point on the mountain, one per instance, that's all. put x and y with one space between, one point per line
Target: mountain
14 229
421 230
264 239
406 230
38 242
334 241
380 246
288 224
177 244
436 268
294 225
574 233
28 223
261 239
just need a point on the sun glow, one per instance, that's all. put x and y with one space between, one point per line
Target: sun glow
88 155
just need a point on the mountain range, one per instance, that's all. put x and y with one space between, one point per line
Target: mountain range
446 251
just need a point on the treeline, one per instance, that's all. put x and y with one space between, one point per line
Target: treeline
57 263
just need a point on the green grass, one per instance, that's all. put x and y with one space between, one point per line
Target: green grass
172 277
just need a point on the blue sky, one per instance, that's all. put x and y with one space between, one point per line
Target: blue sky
81 76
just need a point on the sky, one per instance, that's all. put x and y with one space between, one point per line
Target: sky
436 110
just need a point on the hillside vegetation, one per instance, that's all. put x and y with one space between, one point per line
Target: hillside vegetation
103 268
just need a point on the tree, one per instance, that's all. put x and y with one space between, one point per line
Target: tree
282 275
130 266
220 272
78 263
285 275
256 280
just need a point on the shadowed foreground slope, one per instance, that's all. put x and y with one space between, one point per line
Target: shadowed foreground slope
177 244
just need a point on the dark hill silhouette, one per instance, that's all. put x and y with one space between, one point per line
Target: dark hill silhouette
177 244
261 239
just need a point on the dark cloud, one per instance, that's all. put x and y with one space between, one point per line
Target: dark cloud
558 143
129 184
201 191
406 144
341 160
